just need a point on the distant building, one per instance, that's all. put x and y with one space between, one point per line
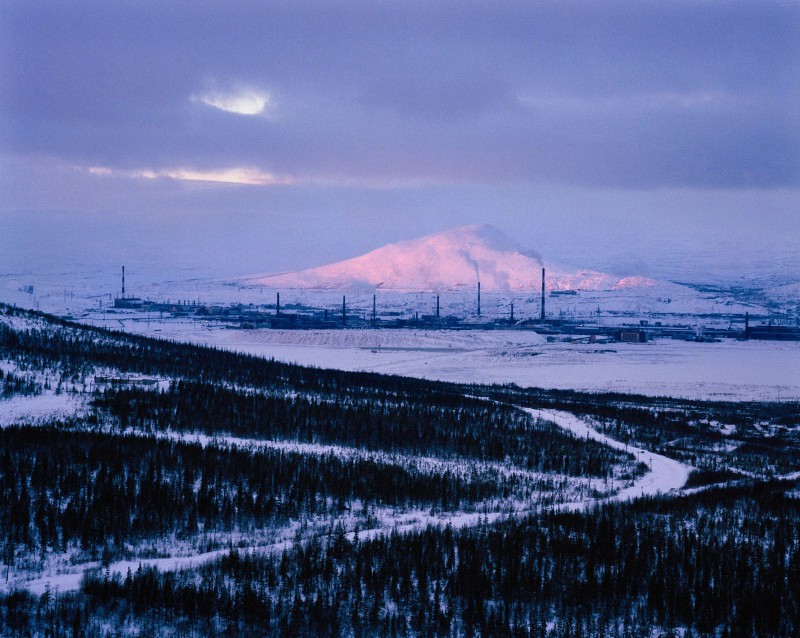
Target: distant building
129 302
773 333
631 336
124 381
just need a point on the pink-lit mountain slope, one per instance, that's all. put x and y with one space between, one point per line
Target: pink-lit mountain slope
451 260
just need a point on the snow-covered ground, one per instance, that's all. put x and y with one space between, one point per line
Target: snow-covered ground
664 475
730 370
47 406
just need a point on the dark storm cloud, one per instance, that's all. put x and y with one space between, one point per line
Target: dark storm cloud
619 94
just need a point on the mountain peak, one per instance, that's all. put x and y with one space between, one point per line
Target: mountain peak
453 259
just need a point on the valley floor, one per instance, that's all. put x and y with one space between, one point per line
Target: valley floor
729 370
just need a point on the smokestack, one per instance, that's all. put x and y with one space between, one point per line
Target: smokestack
746 325
374 309
542 295
278 306
437 306
344 309
123 282
479 298
512 311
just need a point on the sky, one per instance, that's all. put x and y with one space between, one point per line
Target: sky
252 137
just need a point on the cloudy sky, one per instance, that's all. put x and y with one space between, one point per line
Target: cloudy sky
263 136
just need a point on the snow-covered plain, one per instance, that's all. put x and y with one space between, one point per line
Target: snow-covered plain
730 370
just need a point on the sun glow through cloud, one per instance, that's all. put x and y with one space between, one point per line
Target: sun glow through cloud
242 101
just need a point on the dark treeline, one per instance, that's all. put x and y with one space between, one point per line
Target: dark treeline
701 445
682 429
728 563
638 408
12 384
79 349
377 411
59 488
723 563
456 427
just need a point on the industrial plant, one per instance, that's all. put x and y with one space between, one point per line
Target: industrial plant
305 316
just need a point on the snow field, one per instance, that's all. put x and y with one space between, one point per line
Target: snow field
729 371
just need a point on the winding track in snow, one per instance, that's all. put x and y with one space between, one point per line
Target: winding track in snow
664 475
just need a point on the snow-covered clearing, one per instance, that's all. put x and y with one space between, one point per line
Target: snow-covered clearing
47 406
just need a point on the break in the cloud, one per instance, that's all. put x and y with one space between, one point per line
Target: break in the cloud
243 101
613 94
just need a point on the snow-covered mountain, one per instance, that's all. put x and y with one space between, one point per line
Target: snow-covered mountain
452 260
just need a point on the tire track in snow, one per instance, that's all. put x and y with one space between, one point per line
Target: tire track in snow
665 475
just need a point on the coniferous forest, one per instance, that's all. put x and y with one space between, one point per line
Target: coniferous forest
306 502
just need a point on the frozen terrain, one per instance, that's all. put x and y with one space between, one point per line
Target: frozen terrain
406 276
664 475
730 370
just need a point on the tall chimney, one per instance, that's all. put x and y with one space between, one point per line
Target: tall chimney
374 309
512 311
344 309
542 295
479 298
746 325
123 282
278 306
437 306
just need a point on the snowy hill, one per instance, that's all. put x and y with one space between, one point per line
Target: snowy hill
785 294
452 260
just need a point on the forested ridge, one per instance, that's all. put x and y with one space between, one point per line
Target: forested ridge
124 475
59 487
464 427
724 563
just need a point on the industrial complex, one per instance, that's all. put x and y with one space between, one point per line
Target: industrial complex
297 316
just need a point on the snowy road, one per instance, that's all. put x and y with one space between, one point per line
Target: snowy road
664 475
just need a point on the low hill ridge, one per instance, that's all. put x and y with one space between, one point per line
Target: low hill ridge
451 260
